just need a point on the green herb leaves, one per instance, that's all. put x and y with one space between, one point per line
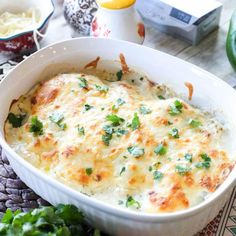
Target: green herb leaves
174 133
122 170
89 171
194 123
136 151
111 129
188 157
114 119
106 138
102 88
83 83
135 122
206 163
63 220
132 202
57 118
119 103
87 107
36 126
160 149
176 108
161 97
16 120
119 75
182 169
144 110
81 130
157 175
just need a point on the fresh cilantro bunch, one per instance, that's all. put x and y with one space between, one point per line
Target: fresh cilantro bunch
63 220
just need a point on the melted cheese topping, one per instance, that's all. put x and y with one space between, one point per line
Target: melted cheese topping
115 4
162 155
11 23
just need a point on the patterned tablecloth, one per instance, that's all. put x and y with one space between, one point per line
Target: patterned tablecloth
15 194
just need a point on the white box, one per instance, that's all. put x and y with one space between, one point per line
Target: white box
190 20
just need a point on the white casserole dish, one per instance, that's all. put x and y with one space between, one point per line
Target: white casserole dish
209 92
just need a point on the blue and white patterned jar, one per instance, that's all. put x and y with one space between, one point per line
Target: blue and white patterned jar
79 14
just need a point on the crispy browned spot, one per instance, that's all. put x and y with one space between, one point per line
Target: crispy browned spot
175 199
190 90
209 183
141 30
125 68
45 94
188 179
49 155
37 143
93 63
70 151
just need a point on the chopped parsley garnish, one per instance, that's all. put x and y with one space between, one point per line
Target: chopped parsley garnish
174 133
58 118
188 157
157 175
108 129
141 79
150 168
125 157
119 132
102 88
132 202
206 163
119 75
144 110
81 130
83 83
16 120
136 151
114 119
87 107
160 149
176 108
170 123
119 103
135 122
106 138
122 170
194 123
161 97
89 171
182 169
36 126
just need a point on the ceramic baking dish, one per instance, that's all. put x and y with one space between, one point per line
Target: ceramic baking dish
209 93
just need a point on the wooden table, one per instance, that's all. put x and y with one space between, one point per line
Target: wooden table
209 54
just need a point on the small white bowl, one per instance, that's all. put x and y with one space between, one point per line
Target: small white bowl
24 40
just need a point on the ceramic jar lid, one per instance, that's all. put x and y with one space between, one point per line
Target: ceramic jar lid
115 4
